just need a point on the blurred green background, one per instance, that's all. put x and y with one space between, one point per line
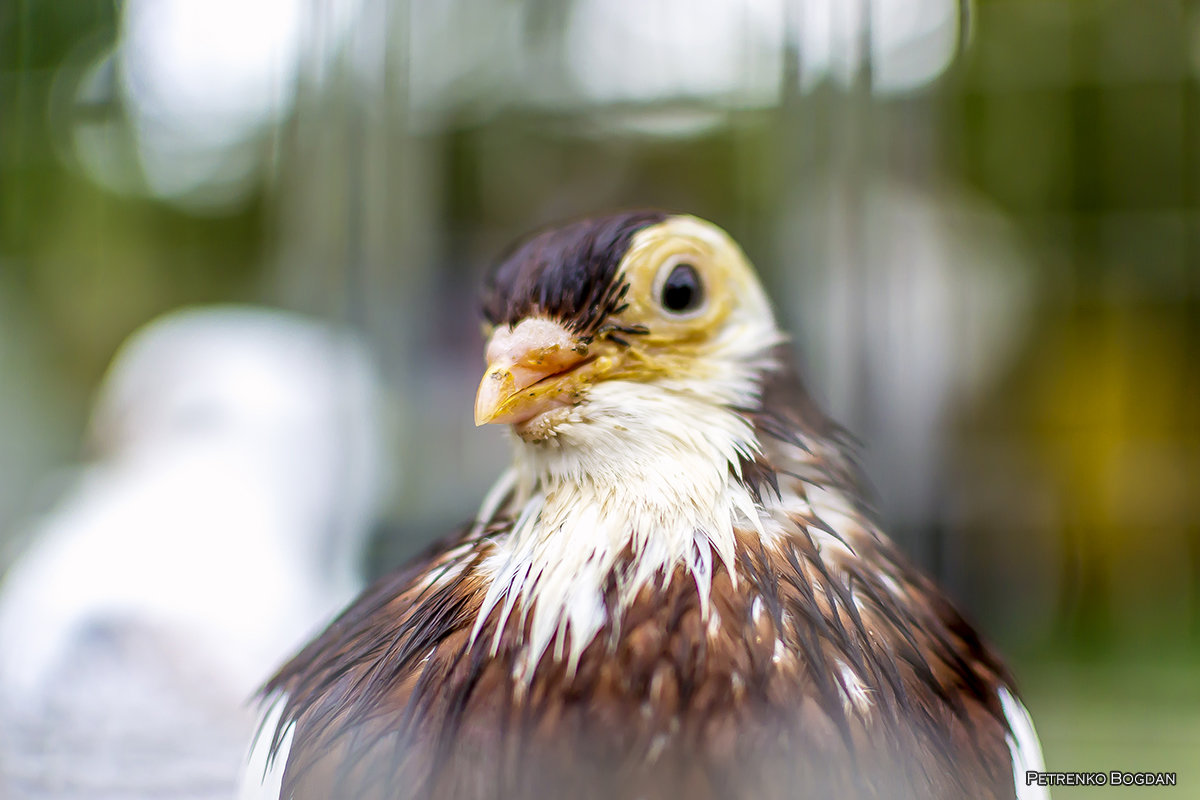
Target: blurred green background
981 222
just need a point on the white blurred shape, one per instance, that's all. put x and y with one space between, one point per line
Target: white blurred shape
921 315
238 475
204 78
205 81
218 67
912 42
639 51
732 52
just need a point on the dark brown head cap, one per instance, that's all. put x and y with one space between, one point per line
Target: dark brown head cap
567 273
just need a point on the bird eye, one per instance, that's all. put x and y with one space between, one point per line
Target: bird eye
682 291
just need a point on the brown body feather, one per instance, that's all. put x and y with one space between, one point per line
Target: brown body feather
751 697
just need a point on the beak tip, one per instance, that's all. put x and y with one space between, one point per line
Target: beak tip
493 389
483 415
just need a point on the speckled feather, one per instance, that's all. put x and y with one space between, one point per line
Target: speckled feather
393 701
814 662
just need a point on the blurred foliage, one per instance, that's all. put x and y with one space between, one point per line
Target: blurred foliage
1123 713
1082 121
92 266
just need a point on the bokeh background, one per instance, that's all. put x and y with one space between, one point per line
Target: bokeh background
980 221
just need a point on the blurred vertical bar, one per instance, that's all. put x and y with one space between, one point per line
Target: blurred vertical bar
852 159
401 173
358 211
20 129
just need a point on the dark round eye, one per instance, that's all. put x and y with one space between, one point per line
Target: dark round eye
682 291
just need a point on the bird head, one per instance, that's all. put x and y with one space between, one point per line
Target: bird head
585 319
629 355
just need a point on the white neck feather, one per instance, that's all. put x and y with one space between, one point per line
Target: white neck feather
643 469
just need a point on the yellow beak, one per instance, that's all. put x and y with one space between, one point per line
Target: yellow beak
523 374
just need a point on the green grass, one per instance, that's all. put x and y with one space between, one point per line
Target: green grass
1127 712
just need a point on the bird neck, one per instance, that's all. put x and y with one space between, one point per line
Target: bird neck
634 495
